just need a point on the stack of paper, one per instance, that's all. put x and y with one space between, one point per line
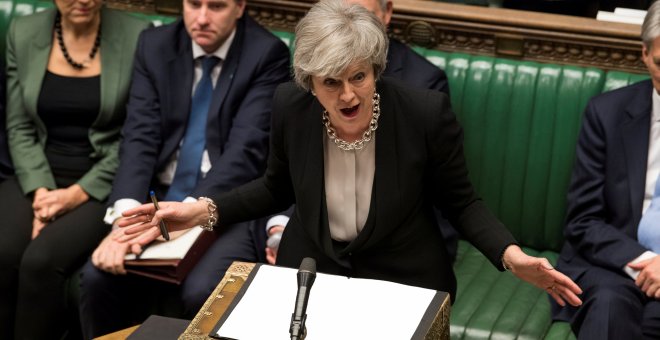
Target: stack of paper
339 308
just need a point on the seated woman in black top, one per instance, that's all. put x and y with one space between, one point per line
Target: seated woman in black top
68 71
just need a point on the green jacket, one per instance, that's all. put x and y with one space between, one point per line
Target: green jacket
29 41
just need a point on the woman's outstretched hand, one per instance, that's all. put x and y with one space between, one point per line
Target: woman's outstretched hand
177 216
539 272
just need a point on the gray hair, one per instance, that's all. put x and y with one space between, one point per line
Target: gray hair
651 25
332 36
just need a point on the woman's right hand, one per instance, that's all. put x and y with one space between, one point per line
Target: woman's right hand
177 216
40 210
37 226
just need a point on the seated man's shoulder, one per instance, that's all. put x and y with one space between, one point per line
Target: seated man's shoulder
619 100
258 35
413 68
163 32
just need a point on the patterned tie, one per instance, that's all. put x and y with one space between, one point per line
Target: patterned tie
190 154
648 231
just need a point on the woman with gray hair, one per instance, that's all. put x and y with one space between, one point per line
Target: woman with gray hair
364 160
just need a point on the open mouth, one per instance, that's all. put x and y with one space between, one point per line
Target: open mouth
350 112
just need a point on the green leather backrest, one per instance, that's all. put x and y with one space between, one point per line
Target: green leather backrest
521 121
520 133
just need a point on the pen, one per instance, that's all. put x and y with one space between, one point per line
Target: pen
163 227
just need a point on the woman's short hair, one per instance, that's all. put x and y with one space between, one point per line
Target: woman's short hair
332 36
651 25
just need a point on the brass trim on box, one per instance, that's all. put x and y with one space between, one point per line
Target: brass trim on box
218 302
440 327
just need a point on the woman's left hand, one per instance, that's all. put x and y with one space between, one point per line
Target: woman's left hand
539 272
59 201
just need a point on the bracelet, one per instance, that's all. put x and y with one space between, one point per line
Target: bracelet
504 265
212 208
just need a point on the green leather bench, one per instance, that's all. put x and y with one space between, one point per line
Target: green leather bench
521 121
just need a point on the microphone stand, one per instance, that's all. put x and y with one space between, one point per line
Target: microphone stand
306 276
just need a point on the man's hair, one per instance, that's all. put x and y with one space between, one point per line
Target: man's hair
334 35
651 25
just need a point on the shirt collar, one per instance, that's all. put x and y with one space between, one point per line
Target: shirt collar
221 52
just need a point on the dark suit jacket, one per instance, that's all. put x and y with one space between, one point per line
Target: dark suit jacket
239 116
29 41
405 64
607 188
419 164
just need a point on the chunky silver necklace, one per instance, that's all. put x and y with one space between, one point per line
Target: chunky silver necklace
366 136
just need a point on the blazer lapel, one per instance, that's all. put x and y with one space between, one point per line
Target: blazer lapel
37 56
385 198
218 124
313 165
111 64
635 133
179 93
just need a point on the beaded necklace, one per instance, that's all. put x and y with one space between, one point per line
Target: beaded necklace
65 52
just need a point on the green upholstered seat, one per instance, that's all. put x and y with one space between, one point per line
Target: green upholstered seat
494 305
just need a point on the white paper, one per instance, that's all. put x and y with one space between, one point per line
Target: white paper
338 308
610 16
630 12
175 249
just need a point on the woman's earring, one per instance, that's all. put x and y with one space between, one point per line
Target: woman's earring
313 93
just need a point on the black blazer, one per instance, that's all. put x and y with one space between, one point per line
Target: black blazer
239 117
419 164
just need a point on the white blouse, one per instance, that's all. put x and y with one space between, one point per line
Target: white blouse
349 178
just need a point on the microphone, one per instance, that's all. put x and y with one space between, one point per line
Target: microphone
306 276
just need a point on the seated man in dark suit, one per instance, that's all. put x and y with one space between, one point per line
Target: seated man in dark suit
198 121
402 63
613 221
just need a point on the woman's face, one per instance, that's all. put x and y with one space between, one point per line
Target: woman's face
78 12
348 99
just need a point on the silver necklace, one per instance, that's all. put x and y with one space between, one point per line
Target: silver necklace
366 136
